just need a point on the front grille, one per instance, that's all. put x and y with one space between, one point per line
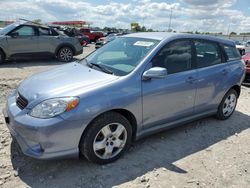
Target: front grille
21 102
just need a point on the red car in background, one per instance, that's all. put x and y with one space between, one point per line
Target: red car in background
246 59
93 35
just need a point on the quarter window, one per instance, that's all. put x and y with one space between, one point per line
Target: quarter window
207 54
175 57
232 53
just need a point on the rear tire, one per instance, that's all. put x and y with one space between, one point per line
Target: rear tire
227 105
65 54
107 138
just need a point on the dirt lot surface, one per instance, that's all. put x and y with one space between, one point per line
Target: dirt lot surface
205 153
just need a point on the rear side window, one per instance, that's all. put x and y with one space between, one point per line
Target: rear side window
232 53
175 57
44 31
207 54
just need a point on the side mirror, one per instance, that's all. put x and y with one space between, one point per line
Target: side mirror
155 72
14 35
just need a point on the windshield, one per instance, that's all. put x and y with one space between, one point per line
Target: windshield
121 55
8 28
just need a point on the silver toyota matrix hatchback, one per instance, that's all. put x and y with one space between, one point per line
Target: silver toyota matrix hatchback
135 85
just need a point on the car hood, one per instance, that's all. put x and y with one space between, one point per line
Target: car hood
68 80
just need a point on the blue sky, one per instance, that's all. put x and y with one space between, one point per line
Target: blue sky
188 15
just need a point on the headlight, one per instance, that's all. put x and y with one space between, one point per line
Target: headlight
54 107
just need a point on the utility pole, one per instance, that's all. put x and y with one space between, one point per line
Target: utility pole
170 20
228 29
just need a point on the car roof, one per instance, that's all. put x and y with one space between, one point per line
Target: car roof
167 35
36 25
30 23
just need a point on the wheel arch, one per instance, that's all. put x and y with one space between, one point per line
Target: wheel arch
237 88
126 113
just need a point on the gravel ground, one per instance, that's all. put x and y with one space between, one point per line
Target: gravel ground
205 153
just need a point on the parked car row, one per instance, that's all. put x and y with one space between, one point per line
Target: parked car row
241 47
25 39
73 32
104 40
93 35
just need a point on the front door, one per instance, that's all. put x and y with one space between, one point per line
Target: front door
172 98
25 40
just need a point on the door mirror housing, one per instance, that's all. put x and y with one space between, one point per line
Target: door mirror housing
155 72
14 34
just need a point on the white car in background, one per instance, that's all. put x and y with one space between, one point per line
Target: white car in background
241 47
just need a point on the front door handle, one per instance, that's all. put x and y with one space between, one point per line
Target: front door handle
191 80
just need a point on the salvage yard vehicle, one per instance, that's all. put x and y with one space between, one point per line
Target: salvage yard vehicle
28 39
135 85
73 32
104 40
241 47
246 59
93 35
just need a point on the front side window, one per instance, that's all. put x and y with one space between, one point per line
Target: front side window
25 31
175 57
122 55
232 53
207 54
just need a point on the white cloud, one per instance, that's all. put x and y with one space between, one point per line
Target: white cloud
188 15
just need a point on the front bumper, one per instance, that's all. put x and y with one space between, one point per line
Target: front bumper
43 138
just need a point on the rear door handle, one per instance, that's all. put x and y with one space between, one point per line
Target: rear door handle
191 80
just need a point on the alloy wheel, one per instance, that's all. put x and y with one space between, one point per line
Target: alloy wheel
229 104
66 54
110 141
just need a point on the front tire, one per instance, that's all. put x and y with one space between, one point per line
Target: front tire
65 54
227 105
107 138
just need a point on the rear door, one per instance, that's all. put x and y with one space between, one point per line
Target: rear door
212 75
47 40
26 40
171 98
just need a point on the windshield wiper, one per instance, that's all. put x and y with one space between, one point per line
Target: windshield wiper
102 68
